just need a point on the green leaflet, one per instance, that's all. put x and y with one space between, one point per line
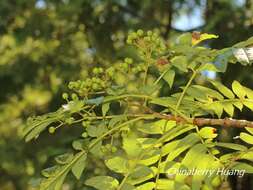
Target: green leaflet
132 146
96 131
127 186
55 179
185 39
146 186
195 153
38 129
208 132
35 126
216 107
105 108
103 182
157 127
95 101
165 184
79 166
180 62
244 43
231 146
246 138
247 156
207 92
223 89
117 164
222 58
209 67
238 89
207 162
177 131
242 166
250 130
141 171
64 158
169 77
150 157
142 179
78 144
175 148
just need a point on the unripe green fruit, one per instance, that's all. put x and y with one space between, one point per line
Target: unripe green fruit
205 187
125 66
110 71
69 120
95 86
140 32
114 149
65 96
128 60
149 33
216 181
95 71
134 35
134 70
108 146
101 70
85 134
74 96
147 39
94 79
84 124
116 135
51 130
129 41
103 149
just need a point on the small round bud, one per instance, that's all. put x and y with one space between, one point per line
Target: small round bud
95 86
101 70
129 41
69 120
74 96
65 96
114 149
85 134
216 181
95 71
51 130
149 33
134 35
108 146
128 60
124 66
139 32
147 39
103 149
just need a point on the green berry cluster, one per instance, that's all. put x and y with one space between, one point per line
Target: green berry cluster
125 66
146 41
110 72
108 149
97 70
139 68
83 87
86 123
134 36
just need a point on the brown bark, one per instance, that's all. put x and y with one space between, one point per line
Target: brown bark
226 122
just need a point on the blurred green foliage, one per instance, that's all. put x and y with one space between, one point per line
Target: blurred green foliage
47 43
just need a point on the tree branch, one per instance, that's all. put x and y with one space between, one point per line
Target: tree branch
226 122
